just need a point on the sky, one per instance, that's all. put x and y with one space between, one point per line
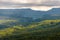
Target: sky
43 5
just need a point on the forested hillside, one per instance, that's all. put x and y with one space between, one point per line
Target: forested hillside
44 30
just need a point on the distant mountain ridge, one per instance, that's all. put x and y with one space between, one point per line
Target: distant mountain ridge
18 13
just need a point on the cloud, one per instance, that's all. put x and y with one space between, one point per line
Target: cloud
42 5
35 2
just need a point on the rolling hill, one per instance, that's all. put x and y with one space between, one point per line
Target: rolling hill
48 29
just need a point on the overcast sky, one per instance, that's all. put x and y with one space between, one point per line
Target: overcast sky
33 4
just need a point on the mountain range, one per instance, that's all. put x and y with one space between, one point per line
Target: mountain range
18 13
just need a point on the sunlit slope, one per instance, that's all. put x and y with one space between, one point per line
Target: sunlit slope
7 23
4 21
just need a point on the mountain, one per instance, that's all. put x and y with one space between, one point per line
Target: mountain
28 24
21 13
18 13
52 14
